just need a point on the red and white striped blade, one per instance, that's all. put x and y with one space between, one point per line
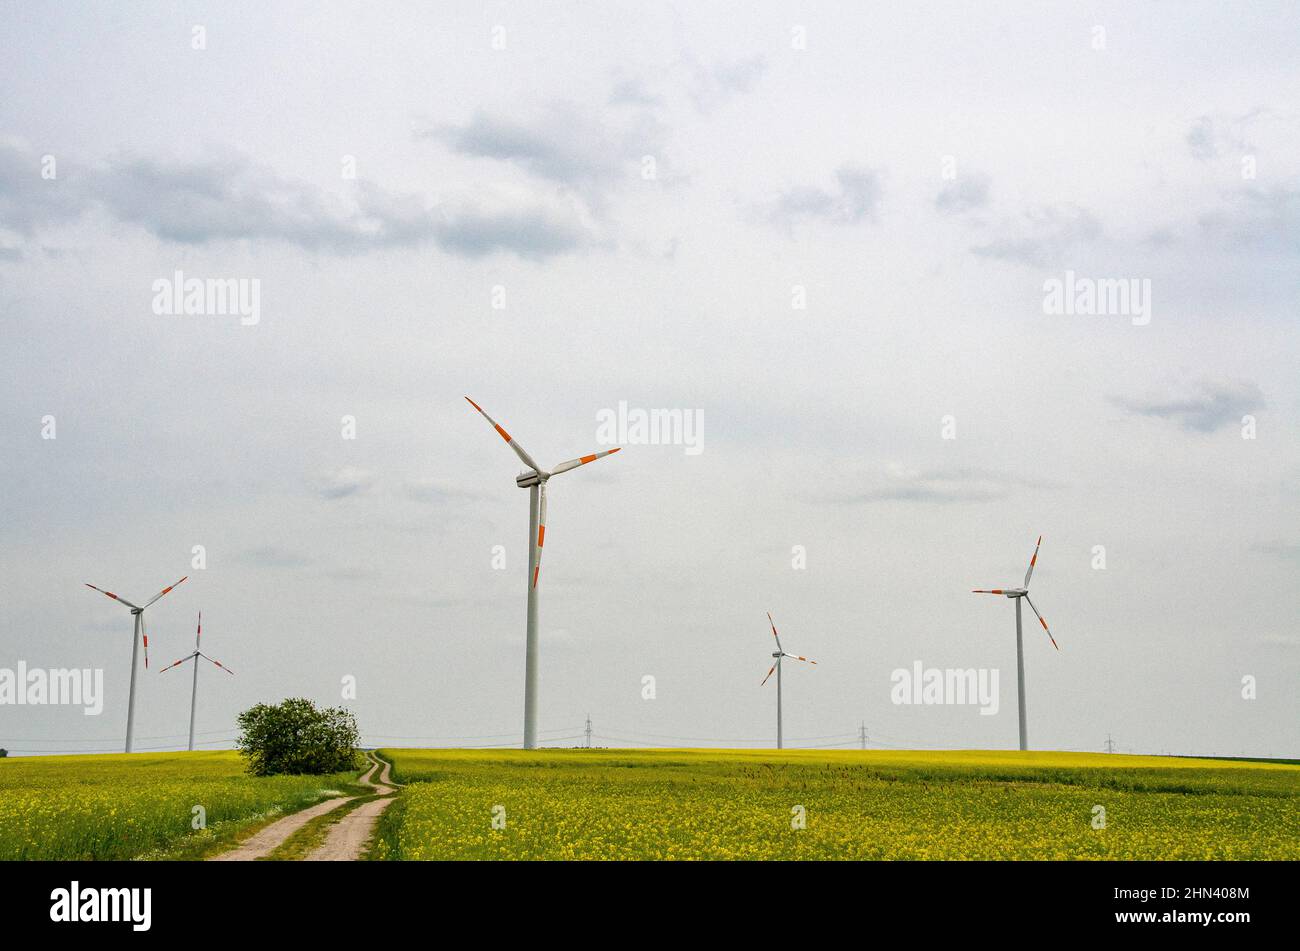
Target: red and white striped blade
165 590
1042 622
583 460
804 659
110 594
213 660
774 634
541 534
198 633
179 662
519 450
144 632
987 591
1033 561
769 674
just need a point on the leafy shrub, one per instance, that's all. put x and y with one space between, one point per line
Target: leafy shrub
295 736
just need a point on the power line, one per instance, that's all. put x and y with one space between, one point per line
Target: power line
485 736
716 739
113 739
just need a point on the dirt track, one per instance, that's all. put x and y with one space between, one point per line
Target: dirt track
346 839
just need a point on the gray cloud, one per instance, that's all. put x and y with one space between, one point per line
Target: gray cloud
436 491
1286 550
965 194
1044 237
28 201
1213 136
941 485
1202 140
230 198
533 233
633 92
345 482
712 86
855 199
1258 220
565 145
273 557
1209 405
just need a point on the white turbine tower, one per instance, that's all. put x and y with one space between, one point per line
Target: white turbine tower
1016 594
535 481
139 633
194 686
776 666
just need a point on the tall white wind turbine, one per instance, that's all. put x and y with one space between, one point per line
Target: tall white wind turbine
140 633
1016 594
779 653
534 480
194 686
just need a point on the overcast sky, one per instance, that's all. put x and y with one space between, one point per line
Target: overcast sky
651 190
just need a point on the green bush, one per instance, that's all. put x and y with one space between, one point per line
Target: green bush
296 736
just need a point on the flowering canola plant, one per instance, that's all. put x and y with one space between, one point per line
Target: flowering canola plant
745 804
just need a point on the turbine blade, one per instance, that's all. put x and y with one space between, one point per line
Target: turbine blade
583 460
541 533
1033 561
199 632
144 632
162 592
797 657
213 660
179 662
110 594
987 591
1042 622
519 450
774 634
769 674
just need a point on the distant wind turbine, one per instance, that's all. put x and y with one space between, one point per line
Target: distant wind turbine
535 481
194 686
1016 594
140 633
776 666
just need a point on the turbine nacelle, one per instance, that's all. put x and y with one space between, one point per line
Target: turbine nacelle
1023 592
527 480
1005 592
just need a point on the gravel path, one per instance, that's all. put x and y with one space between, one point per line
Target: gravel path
346 839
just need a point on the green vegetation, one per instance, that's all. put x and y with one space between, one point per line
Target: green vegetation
142 805
730 804
296 736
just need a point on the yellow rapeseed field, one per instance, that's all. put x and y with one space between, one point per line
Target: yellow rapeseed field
743 804
139 805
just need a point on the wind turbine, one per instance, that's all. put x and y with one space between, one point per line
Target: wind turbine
194 687
534 480
140 632
778 654
1016 594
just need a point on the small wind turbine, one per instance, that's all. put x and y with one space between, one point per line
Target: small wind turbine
140 632
535 481
194 687
1016 594
776 666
